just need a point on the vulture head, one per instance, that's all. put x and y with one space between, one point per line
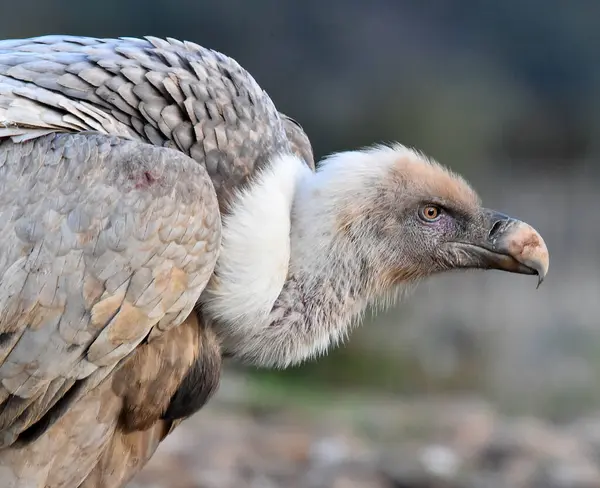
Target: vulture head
304 253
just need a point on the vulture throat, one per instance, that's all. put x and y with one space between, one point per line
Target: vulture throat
303 253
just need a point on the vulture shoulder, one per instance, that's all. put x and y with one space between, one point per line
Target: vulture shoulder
106 247
165 92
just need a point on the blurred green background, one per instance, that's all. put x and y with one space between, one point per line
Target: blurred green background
505 92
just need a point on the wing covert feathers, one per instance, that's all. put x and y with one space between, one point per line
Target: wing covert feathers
165 92
105 242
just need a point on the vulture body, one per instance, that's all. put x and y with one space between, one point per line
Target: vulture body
157 212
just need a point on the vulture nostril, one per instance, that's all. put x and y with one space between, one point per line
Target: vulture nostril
495 229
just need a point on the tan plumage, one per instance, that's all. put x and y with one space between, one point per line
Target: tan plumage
157 212
92 438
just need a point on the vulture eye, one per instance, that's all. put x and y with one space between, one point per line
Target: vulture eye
430 213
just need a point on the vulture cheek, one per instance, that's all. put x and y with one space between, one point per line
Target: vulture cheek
435 235
447 226
440 231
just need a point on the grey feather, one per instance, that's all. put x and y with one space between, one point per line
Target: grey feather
165 92
116 236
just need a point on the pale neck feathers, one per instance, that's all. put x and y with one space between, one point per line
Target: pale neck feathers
287 285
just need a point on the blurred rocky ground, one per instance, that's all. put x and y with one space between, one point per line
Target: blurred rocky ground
253 437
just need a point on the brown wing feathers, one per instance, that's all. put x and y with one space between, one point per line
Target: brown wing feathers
157 369
186 354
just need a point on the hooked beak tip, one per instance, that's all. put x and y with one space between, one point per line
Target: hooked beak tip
526 245
540 281
512 245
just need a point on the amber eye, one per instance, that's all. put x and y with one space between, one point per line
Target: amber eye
430 213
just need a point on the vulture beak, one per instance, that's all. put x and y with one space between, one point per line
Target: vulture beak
508 245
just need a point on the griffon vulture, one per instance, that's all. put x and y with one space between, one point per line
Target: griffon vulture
156 213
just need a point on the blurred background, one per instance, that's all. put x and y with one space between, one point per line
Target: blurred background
474 381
